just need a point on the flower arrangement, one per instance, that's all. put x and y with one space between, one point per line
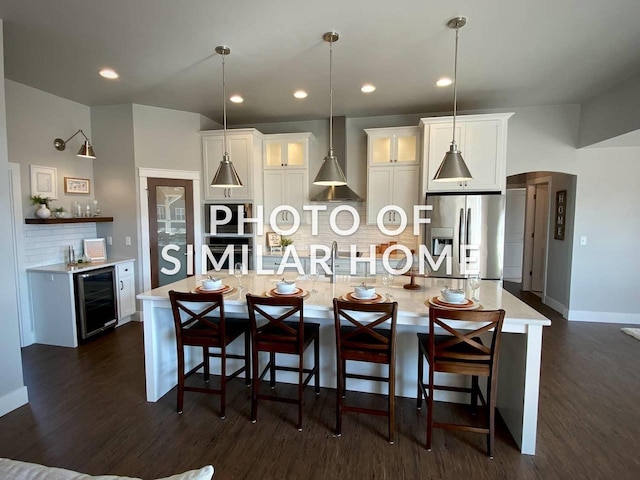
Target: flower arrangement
285 242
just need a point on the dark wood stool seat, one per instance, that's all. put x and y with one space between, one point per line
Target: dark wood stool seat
372 340
271 332
462 352
200 321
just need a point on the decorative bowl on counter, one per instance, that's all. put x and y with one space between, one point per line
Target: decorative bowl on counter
285 286
212 284
364 291
451 295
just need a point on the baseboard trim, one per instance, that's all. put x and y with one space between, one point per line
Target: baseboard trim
603 317
556 305
13 400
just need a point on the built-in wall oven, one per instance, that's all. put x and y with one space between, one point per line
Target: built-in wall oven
229 235
218 246
96 309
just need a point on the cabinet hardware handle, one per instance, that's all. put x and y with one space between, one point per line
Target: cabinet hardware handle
121 285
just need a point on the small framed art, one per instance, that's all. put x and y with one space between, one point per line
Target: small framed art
76 185
561 215
95 249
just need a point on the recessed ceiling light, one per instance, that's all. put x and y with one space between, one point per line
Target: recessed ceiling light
444 82
108 73
236 99
368 88
300 94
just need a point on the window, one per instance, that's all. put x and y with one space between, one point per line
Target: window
160 210
179 213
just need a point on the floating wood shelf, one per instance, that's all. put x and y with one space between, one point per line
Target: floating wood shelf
51 221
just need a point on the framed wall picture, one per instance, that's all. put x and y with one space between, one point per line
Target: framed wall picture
561 215
273 239
44 181
76 185
95 249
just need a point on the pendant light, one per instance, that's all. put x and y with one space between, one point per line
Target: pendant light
453 168
330 173
226 176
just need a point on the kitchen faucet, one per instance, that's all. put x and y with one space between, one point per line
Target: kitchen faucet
334 254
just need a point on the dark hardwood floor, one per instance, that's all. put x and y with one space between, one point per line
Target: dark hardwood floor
88 412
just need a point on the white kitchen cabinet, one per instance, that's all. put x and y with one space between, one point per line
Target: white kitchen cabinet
398 145
286 150
286 175
125 283
482 139
392 185
245 152
288 186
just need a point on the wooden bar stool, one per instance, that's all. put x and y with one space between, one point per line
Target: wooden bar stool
273 333
462 352
200 322
362 336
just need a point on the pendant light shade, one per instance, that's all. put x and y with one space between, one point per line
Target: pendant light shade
226 176
453 168
330 174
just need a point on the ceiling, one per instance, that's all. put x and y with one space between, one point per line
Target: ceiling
512 53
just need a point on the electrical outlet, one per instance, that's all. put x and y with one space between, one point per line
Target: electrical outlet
583 240
109 240
127 240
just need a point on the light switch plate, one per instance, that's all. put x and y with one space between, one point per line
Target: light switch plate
583 240
127 240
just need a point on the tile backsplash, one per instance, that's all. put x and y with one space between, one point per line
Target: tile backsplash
48 244
365 235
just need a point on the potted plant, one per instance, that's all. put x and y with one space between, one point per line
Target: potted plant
59 212
285 242
43 205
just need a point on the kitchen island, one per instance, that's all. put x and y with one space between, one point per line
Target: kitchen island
521 347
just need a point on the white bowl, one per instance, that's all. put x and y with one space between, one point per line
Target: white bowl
452 296
211 284
364 291
285 287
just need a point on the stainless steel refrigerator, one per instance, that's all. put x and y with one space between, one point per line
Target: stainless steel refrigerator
475 219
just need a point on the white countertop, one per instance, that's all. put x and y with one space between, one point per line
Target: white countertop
66 269
411 303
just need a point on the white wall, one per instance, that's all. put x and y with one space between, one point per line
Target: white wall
613 113
34 119
13 393
605 271
166 138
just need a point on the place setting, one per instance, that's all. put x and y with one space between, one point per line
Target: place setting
453 299
287 288
214 285
363 293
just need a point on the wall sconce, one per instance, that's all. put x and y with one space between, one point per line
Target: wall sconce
86 151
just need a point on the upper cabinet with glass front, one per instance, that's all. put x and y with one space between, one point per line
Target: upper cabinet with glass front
286 150
396 145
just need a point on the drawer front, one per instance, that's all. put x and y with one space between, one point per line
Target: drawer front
125 269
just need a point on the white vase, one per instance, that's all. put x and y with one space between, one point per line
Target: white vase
43 211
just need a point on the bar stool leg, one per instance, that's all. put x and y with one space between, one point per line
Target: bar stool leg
272 370
316 363
180 405
223 380
430 409
392 402
255 382
300 387
247 359
420 376
205 360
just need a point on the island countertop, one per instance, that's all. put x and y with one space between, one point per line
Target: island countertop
411 303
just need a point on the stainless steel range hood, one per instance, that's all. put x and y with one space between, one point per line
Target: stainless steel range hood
342 193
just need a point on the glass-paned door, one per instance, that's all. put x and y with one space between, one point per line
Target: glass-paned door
170 229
